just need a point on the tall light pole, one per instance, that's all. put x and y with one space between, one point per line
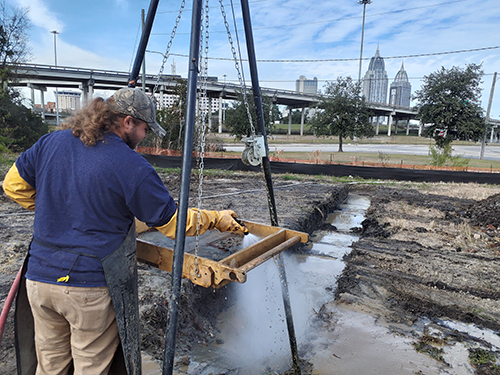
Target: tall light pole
144 58
224 104
55 61
487 119
362 2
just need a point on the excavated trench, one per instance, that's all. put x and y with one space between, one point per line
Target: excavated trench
200 312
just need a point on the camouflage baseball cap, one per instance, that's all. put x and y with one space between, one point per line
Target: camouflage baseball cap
134 102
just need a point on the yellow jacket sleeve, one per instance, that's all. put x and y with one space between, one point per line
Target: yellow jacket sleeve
221 220
19 190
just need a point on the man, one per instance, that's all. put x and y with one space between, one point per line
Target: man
87 185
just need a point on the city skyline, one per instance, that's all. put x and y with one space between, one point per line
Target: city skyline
322 40
376 87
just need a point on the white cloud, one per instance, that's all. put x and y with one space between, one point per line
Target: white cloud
40 16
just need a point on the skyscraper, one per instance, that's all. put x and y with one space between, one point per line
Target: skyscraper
376 82
400 89
307 86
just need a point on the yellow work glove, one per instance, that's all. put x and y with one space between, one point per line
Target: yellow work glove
227 222
222 220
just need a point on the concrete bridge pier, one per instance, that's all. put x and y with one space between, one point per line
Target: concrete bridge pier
162 97
389 126
42 89
302 121
209 113
87 88
221 97
377 125
290 113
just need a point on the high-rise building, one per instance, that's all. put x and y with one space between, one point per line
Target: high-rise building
69 101
375 82
306 86
400 91
168 100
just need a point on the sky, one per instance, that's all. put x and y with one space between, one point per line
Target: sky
320 38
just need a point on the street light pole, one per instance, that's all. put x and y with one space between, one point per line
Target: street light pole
55 61
224 104
486 120
144 58
362 2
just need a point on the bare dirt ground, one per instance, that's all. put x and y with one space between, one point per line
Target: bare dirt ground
426 250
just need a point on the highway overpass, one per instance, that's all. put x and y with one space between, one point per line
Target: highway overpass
40 77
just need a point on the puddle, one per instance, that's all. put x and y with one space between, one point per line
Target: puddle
149 365
478 333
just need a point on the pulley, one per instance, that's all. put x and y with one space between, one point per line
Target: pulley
254 151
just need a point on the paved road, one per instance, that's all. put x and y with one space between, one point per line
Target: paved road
492 152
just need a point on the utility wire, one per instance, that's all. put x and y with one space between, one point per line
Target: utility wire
329 80
352 59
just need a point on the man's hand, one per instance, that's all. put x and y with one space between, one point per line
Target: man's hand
227 222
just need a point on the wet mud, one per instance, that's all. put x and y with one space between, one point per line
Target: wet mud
425 252
427 255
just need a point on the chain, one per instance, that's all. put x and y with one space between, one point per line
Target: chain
169 45
203 97
237 63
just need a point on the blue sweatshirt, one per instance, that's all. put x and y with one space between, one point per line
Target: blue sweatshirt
86 200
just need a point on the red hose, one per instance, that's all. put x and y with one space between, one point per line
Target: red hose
8 302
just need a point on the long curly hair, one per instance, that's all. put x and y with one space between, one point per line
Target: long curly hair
92 122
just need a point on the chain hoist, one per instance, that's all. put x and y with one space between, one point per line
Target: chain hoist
167 51
254 144
203 110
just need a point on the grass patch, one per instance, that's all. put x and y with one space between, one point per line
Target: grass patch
429 345
484 362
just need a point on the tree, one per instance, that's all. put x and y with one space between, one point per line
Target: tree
450 101
297 117
20 128
173 119
237 118
342 112
14 49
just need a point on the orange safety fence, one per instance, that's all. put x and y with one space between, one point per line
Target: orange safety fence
317 160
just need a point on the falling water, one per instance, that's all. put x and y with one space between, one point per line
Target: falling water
249 239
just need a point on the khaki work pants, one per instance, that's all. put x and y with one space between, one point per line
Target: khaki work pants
72 324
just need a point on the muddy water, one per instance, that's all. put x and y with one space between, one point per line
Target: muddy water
253 337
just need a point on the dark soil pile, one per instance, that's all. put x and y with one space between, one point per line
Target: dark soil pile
486 212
